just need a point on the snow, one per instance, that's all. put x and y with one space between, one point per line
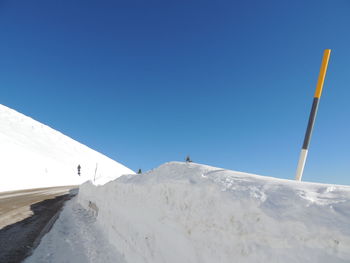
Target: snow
34 155
186 212
75 238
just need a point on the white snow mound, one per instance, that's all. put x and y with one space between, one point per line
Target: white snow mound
186 212
34 155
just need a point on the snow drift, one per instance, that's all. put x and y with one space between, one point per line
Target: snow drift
185 212
34 155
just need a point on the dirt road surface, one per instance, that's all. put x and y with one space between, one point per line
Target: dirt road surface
25 216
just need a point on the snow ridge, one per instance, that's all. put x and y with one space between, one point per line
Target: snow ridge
186 212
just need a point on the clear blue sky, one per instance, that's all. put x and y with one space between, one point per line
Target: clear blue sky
145 82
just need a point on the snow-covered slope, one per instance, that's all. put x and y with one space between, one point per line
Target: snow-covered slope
34 155
183 212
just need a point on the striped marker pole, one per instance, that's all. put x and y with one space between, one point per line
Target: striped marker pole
317 96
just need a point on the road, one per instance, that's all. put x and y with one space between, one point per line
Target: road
25 216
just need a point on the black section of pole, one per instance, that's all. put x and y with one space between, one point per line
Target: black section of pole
311 123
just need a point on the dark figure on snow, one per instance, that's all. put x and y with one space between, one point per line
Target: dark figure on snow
139 171
79 167
188 159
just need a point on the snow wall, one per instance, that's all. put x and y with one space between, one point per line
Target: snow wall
185 212
34 155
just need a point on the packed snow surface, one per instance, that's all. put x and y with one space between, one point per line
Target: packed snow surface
186 212
34 155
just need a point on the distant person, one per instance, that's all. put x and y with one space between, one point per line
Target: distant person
79 167
188 159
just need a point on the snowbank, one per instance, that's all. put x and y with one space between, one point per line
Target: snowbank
34 155
194 213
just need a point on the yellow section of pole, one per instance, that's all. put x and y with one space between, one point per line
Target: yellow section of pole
322 74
